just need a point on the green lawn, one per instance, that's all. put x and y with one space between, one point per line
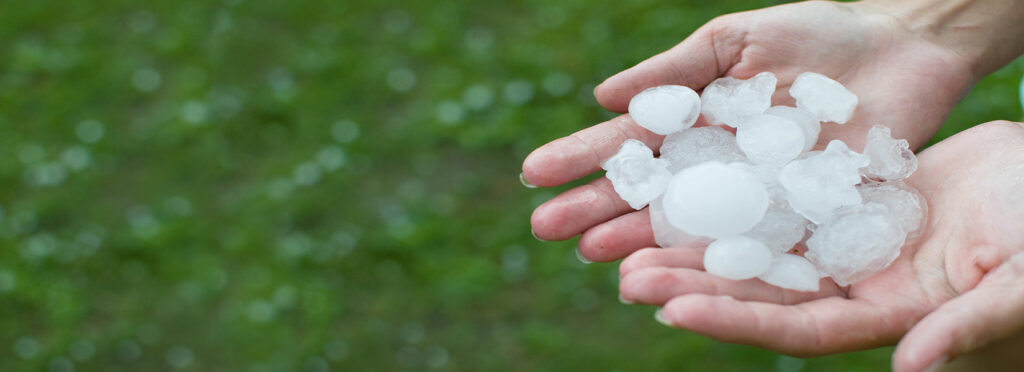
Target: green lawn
277 186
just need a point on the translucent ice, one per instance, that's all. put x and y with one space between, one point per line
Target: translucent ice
665 109
907 208
792 272
732 101
715 200
693 146
780 229
820 183
827 99
807 122
855 244
636 175
667 235
891 159
769 175
737 258
770 139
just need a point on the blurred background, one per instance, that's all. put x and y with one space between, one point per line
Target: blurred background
324 185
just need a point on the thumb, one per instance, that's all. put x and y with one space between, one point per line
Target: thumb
705 55
993 310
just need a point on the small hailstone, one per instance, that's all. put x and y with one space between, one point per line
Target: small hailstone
732 101
855 244
907 208
780 229
827 99
807 122
737 258
770 139
819 184
665 109
668 236
891 159
715 200
790 271
693 146
636 175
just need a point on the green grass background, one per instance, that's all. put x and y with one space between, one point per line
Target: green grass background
324 185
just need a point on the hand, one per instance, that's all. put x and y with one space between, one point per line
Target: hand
959 287
900 77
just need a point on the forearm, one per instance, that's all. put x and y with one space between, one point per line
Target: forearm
987 33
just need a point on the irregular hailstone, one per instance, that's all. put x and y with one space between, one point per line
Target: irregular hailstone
668 236
891 159
737 258
855 244
907 208
807 122
693 146
636 175
780 229
769 175
827 99
790 271
665 109
820 183
715 200
732 101
770 139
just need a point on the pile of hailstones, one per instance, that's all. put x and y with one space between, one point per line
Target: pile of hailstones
756 197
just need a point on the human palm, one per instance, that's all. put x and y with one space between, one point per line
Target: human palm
903 81
959 286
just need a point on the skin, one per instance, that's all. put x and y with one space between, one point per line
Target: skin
909 62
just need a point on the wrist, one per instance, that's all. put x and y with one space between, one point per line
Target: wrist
987 34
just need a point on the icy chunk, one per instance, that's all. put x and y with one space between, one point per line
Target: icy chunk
891 159
737 258
732 101
636 175
780 229
668 236
693 146
827 99
792 272
770 139
855 244
769 175
819 184
907 208
807 122
665 109
715 200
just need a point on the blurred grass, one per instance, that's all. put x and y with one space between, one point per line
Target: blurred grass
269 186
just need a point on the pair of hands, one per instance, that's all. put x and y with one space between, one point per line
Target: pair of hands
958 287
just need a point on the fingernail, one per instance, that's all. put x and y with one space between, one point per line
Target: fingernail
936 364
534 233
624 301
522 179
579 255
661 318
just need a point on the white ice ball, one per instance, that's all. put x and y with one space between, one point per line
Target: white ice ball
737 258
665 109
715 200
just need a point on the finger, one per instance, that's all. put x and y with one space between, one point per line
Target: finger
568 158
658 285
819 327
577 210
705 55
617 238
684 257
989 312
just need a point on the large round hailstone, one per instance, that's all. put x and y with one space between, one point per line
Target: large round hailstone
737 258
665 109
715 200
770 139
